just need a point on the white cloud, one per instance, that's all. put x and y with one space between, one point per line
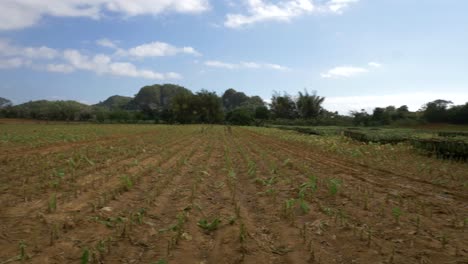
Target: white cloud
349 71
13 63
374 64
107 43
70 60
245 65
337 6
158 49
276 67
219 64
345 104
344 71
62 68
259 11
102 64
283 11
8 49
18 14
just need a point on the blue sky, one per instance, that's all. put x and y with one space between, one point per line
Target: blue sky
356 53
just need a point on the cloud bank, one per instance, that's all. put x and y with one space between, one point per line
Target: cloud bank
282 11
70 60
19 14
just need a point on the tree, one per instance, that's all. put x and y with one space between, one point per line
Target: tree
240 117
283 106
183 107
152 100
458 114
262 113
309 106
208 107
361 118
436 111
402 112
233 99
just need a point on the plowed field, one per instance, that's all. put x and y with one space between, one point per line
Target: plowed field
215 194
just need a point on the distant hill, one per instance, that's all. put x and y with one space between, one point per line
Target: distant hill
115 102
52 110
156 97
4 102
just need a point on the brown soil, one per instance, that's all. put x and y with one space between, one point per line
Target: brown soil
147 204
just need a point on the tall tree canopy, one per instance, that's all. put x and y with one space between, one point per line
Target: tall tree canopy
152 100
233 99
436 111
309 105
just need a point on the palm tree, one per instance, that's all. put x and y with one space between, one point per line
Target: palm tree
309 106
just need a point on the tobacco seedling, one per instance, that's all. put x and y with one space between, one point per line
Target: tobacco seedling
127 182
22 248
85 256
333 186
252 169
242 233
52 206
397 213
289 208
207 226
444 240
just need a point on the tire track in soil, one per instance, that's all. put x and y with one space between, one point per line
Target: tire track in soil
441 221
39 224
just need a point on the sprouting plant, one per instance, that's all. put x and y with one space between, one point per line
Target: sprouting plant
22 248
252 169
397 213
161 261
304 206
311 185
139 215
334 186
444 240
237 210
85 256
242 233
232 176
289 208
232 220
52 205
287 163
207 226
127 182
101 246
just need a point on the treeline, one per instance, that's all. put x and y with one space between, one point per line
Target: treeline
170 103
438 111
